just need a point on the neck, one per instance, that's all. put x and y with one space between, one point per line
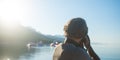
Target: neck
77 39
69 40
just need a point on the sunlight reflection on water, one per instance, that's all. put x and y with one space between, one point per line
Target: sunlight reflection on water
42 53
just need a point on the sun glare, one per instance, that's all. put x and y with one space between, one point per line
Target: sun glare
9 23
11 12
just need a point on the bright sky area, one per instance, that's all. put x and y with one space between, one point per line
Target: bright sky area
49 16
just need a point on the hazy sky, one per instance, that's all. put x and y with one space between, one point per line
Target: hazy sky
49 16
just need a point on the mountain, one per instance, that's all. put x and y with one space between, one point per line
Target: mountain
58 38
22 34
14 40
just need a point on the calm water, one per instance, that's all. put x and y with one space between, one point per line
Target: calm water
108 51
105 51
41 53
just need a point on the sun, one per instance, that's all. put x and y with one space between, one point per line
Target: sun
11 12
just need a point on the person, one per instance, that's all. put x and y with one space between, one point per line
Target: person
76 37
86 42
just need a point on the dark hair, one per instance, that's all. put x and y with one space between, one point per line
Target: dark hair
76 28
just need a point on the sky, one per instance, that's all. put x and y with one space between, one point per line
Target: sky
49 16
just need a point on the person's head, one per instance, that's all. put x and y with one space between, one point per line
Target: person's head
76 28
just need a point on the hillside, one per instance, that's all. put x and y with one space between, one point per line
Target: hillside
13 40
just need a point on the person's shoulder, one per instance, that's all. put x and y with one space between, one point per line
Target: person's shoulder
69 48
66 47
59 47
72 52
